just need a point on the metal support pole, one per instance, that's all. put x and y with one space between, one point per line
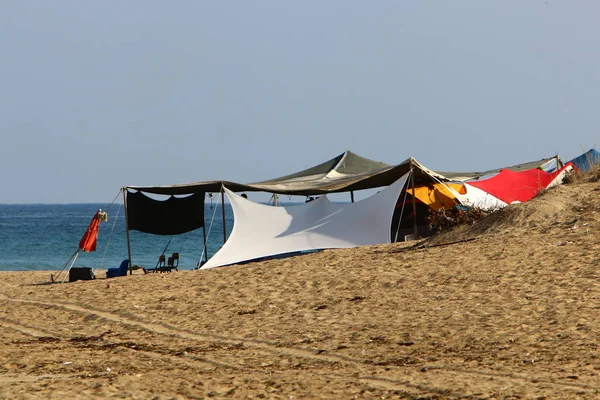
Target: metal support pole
414 200
352 196
205 249
223 212
127 230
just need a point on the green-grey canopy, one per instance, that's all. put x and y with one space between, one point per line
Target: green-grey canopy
346 172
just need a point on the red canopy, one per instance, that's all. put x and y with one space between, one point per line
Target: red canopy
90 237
510 186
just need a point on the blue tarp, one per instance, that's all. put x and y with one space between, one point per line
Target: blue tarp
586 160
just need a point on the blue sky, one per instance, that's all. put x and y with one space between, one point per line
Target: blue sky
99 95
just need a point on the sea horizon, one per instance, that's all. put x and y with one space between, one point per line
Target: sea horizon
41 236
44 236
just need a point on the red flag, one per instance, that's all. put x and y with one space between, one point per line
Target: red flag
90 238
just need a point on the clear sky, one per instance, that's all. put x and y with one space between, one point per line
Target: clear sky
99 95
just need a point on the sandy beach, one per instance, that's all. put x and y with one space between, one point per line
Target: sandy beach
508 308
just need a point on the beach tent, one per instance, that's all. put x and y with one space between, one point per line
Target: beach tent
506 187
518 187
585 161
260 230
345 173
349 172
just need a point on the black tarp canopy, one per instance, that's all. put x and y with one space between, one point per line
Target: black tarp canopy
190 188
173 216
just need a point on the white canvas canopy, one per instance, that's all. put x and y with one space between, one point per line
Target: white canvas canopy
260 230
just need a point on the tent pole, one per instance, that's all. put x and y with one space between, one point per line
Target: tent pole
405 189
223 212
54 278
205 249
127 230
414 199
71 265
352 196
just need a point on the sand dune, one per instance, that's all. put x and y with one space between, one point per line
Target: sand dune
511 310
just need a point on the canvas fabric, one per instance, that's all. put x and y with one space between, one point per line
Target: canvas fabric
588 159
439 195
517 187
172 216
261 230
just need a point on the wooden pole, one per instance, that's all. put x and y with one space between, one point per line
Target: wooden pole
223 212
352 196
414 200
127 230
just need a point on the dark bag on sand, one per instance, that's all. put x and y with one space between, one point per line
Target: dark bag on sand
81 274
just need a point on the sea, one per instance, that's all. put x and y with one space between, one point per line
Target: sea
45 237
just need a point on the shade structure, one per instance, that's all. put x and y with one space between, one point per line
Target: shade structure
343 173
260 230
347 172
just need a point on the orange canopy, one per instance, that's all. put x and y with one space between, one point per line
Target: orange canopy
438 195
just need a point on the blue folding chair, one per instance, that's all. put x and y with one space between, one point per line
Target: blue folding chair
121 271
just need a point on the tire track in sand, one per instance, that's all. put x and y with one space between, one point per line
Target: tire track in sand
167 330
303 353
163 329
25 329
6 379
